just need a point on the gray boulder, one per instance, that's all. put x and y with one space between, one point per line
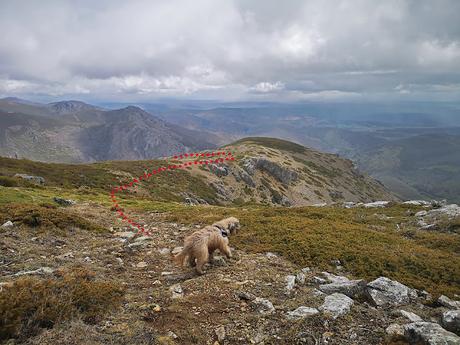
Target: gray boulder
7 224
385 292
351 288
448 303
429 333
33 179
336 305
451 321
412 317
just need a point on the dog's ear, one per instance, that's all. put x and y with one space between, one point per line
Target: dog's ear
224 233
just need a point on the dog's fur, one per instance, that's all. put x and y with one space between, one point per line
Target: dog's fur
231 224
200 246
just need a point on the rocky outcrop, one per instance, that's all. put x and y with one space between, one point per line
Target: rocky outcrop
33 179
429 333
448 303
386 292
279 172
451 321
351 288
63 202
262 306
336 305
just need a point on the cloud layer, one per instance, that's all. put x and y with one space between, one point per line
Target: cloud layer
223 49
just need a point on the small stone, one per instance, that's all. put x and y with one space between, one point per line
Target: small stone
156 308
290 282
164 251
119 260
395 330
263 306
141 239
410 316
300 278
176 291
141 264
306 270
6 225
271 255
246 296
301 312
124 234
172 335
220 333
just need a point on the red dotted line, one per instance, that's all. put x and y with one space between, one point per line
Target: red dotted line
222 157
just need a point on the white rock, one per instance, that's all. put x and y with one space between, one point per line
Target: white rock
448 303
429 333
386 292
416 202
421 214
301 312
220 333
451 321
141 264
300 278
6 225
125 234
334 279
290 282
163 251
271 255
336 305
410 316
306 270
395 330
263 306
41 270
376 204
176 291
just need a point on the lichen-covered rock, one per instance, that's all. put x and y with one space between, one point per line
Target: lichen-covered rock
429 333
412 317
290 282
33 179
6 225
448 303
262 305
451 321
386 292
301 312
336 305
63 202
282 174
351 288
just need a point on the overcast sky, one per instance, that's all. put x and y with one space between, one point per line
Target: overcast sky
228 50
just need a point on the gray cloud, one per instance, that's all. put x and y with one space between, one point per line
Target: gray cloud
143 49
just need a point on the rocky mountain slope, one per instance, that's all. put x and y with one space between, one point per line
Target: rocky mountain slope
341 272
72 131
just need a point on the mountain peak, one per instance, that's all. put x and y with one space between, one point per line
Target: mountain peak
71 106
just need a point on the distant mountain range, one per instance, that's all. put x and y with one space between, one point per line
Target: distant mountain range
73 131
413 148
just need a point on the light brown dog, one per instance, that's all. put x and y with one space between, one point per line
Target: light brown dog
200 246
231 224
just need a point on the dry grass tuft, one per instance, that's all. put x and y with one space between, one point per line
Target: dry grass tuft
32 303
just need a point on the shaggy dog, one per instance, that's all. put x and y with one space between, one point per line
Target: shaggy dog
231 224
200 246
